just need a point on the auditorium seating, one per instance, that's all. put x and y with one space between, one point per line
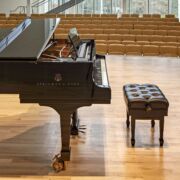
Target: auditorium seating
168 50
118 49
101 48
150 50
130 34
133 49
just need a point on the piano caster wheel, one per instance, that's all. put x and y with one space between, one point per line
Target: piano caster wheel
133 142
161 142
58 164
127 123
74 130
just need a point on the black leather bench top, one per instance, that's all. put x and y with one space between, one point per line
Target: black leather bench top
144 96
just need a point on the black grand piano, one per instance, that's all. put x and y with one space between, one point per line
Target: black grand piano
33 64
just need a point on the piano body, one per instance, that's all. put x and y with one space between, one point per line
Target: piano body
29 68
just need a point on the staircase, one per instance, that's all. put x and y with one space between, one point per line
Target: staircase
55 10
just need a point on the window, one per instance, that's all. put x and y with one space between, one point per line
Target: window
98 6
107 7
158 7
117 6
173 7
139 7
114 6
88 7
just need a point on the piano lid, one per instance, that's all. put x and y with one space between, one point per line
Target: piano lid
28 42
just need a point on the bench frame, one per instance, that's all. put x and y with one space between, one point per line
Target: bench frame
145 115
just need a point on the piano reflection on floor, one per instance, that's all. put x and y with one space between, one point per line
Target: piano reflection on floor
63 75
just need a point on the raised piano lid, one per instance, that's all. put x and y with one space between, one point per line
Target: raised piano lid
28 40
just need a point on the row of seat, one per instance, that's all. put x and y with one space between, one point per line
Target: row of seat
7 25
102 18
134 49
128 39
121 31
110 15
101 15
148 15
148 19
138 42
10 21
115 18
119 26
117 22
97 15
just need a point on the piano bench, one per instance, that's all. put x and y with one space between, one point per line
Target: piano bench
145 101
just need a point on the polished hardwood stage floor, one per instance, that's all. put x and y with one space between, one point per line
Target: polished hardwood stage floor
30 135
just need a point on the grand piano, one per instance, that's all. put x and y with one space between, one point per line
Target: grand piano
43 70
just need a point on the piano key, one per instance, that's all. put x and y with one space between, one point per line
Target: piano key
100 75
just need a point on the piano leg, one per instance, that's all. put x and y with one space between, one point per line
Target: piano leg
65 112
65 134
59 160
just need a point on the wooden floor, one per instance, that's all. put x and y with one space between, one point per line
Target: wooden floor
29 134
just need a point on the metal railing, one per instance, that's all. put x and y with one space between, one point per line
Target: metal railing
19 9
37 5
65 6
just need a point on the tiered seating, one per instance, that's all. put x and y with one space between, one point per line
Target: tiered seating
11 21
2 15
130 34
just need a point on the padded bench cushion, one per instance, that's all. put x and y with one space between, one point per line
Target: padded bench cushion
144 96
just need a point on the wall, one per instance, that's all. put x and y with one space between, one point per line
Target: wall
7 5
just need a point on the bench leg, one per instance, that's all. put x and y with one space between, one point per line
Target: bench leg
127 120
133 123
152 123
161 128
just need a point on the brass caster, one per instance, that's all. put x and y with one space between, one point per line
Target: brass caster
58 163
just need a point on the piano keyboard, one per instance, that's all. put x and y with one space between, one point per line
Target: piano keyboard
100 73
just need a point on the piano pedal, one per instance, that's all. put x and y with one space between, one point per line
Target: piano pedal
82 128
76 130
83 132
82 125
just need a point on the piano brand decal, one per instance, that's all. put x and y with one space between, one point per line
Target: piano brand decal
58 77
68 84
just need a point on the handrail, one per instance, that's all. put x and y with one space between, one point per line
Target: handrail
56 10
64 6
20 8
35 2
39 3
